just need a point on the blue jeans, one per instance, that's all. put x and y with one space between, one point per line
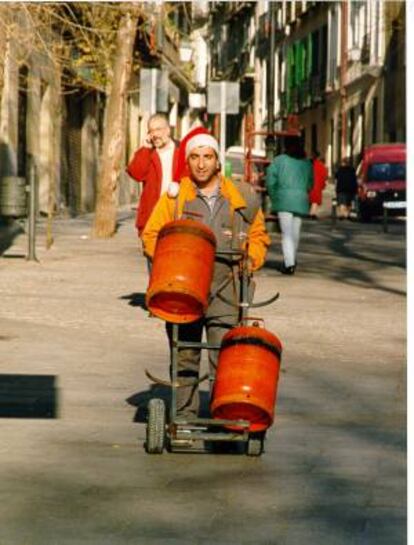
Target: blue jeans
290 226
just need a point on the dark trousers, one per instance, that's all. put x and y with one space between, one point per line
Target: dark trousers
188 367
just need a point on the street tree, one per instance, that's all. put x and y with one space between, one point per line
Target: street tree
115 127
90 45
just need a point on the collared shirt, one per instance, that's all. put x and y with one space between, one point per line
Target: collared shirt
211 198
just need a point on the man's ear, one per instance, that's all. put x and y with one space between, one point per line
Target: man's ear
218 166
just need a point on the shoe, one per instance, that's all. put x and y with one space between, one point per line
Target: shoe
288 270
313 217
186 415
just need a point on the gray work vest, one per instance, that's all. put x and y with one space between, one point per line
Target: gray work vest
231 231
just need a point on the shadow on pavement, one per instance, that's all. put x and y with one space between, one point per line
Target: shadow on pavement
28 396
350 253
135 299
9 230
141 399
335 474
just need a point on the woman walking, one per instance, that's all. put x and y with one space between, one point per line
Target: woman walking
289 179
320 174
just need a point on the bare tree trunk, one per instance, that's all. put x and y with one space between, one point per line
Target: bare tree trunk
114 131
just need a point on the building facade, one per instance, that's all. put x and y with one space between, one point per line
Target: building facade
338 66
58 127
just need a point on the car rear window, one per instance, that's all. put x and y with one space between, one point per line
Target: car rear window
386 172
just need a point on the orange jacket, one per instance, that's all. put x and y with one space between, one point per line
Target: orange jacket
169 208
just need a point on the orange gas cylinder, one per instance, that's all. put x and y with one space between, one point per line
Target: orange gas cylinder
182 271
245 387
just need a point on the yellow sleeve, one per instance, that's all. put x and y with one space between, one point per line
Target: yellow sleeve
259 241
162 213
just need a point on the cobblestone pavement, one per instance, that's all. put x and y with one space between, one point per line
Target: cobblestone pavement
334 469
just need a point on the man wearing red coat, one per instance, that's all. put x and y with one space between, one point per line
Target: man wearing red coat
153 165
157 165
320 174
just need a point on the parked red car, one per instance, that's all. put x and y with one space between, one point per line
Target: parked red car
382 178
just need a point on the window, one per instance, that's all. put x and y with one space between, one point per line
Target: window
382 172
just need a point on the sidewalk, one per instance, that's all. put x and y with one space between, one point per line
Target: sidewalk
334 468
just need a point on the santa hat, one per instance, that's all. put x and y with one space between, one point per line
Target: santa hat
181 168
201 140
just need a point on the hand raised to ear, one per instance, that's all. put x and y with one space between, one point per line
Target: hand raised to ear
148 142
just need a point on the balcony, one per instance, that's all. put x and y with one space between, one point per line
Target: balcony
308 93
358 71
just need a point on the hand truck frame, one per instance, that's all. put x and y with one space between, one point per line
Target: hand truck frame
181 434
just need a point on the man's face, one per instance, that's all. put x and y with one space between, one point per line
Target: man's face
203 164
159 132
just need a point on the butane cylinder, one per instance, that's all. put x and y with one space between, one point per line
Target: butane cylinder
245 386
182 271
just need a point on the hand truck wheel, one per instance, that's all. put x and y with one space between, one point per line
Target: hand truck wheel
255 444
155 427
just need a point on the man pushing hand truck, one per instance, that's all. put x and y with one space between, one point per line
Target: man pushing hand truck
205 243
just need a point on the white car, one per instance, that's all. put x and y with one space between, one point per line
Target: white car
235 159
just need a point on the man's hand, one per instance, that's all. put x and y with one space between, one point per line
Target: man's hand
148 142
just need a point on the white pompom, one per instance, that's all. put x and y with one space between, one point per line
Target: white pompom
173 189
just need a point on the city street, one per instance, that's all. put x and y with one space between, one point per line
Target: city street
75 340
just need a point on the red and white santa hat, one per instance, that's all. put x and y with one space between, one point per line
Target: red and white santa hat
181 168
201 140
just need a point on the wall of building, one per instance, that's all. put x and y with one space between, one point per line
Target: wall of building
9 112
335 100
30 120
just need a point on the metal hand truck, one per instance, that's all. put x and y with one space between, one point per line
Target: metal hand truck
185 434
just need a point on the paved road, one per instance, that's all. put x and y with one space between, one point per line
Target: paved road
334 468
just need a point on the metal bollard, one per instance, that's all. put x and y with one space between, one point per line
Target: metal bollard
32 188
385 220
333 212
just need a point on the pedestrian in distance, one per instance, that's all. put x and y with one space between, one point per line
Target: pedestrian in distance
232 211
289 178
320 175
346 188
